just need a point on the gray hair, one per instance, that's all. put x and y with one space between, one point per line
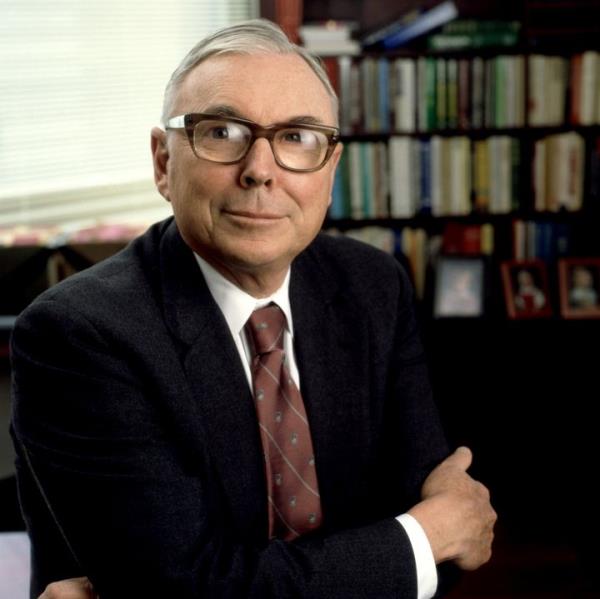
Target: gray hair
257 36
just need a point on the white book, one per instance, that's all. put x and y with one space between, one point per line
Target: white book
405 100
333 47
572 158
589 87
415 174
331 30
422 93
400 159
536 112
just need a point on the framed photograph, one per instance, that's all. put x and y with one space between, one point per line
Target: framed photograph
526 289
459 289
579 281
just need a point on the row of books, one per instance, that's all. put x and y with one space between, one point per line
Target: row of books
441 176
531 240
338 37
414 244
410 95
564 89
534 240
455 176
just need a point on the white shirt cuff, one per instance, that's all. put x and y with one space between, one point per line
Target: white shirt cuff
427 579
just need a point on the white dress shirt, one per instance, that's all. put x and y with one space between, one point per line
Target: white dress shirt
237 306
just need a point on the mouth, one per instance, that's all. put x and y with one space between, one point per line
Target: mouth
253 216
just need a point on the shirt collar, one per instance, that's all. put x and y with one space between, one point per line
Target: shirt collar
237 305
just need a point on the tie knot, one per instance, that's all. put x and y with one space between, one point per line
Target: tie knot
265 327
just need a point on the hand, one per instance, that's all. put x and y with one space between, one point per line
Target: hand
456 514
72 588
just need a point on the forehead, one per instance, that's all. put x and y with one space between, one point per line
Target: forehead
264 87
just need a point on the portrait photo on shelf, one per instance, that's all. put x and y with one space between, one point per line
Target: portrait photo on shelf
459 288
526 289
579 282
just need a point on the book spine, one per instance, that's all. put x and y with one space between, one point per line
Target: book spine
452 93
464 93
477 92
441 94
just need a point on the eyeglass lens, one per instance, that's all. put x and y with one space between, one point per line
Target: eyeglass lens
227 141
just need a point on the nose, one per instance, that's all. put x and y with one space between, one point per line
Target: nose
259 166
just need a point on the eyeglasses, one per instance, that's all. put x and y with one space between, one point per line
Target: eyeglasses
296 147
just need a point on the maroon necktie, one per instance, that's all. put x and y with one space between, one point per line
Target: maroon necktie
292 487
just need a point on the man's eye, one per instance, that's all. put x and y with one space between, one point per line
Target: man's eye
221 132
294 136
303 137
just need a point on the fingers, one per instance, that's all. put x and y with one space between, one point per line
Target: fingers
72 588
481 552
461 458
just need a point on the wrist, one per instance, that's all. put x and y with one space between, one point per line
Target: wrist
432 518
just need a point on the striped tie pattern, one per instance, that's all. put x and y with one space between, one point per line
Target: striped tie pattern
293 492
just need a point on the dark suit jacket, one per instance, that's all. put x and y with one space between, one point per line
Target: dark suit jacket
139 454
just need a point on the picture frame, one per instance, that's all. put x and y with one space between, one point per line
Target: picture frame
526 291
579 283
459 288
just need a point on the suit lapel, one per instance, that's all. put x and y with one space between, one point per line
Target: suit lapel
222 399
331 342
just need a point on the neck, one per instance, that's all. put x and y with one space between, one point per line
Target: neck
258 283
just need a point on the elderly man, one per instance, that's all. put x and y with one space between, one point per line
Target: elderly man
235 405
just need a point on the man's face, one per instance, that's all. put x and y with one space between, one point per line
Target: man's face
254 215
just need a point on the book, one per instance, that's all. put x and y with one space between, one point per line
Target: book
469 26
410 26
475 33
326 30
329 38
446 41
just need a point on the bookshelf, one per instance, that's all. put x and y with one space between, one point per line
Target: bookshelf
502 138
516 391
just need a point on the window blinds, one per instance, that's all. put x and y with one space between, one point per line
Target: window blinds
81 85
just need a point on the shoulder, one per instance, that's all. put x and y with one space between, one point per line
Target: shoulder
114 286
355 265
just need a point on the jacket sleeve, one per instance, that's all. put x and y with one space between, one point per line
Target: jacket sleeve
107 494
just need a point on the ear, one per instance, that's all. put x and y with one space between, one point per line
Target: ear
334 160
160 161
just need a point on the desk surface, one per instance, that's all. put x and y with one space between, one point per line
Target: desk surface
14 565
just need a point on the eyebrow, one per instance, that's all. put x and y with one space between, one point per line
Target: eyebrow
225 110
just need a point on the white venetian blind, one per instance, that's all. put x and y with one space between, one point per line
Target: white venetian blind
81 85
